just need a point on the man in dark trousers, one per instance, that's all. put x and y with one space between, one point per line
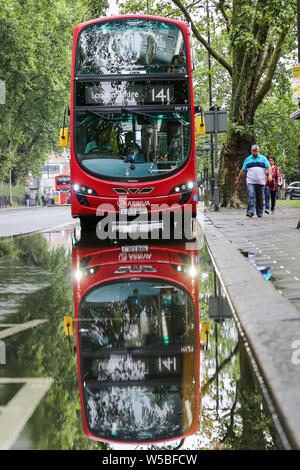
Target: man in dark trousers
256 166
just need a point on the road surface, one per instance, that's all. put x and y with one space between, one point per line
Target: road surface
19 221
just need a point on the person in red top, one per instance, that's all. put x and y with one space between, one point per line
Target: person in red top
272 186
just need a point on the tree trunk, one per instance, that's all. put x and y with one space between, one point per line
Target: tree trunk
235 149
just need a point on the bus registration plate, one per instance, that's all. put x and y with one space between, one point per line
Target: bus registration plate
134 211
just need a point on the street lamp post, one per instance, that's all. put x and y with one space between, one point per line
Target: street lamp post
210 104
10 181
298 29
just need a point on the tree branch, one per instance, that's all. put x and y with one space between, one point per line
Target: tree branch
223 364
237 95
177 11
271 70
201 39
260 32
220 6
267 57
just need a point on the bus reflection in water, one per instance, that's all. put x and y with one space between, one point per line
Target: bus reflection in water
137 336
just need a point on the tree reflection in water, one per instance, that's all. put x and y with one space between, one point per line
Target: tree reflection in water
233 415
43 351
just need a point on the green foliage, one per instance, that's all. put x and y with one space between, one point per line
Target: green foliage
277 134
35 39
247 40
35 64
250 45
94 8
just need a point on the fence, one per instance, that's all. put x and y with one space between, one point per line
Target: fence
4 201
16 201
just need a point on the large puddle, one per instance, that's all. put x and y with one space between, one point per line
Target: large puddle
159 361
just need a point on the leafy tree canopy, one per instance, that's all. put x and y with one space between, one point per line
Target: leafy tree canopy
35 64
251 47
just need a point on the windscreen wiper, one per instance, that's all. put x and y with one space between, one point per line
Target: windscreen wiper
103 117
130 111
178 118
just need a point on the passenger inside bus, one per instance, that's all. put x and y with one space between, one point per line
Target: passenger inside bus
175 149
178 64
100 143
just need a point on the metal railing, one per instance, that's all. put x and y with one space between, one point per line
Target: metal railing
4 201
16 201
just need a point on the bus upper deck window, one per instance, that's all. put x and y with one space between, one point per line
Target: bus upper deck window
130 47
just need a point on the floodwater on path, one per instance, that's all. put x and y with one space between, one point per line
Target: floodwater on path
159 360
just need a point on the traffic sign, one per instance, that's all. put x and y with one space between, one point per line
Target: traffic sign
296 71
216 122
296 80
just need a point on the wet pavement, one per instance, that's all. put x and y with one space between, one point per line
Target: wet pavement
149 359
273 239
258 263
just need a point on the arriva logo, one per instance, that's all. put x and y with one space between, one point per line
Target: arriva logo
122 203
2 352
138 203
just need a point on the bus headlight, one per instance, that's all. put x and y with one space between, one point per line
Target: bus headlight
78 275
181 188
83 189
187 269
83 273
193 271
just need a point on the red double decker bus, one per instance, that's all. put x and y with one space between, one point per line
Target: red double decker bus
63 187
132 118
137 336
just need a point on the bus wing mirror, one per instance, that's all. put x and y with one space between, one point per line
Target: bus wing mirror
200 125
68 324
204 336
64 131
63 136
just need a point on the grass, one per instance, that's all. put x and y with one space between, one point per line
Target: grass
281 202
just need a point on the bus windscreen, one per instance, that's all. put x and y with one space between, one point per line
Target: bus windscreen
63 180
132 144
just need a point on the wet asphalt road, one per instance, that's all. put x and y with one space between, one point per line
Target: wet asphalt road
18 221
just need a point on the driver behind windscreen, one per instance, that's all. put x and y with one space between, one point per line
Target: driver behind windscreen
131 150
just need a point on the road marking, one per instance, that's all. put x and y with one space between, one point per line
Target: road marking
12 329
20 408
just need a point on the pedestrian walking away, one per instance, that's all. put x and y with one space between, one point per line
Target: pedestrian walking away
257 168
27 199
271 187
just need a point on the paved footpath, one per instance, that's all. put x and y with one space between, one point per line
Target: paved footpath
267 311
275 241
